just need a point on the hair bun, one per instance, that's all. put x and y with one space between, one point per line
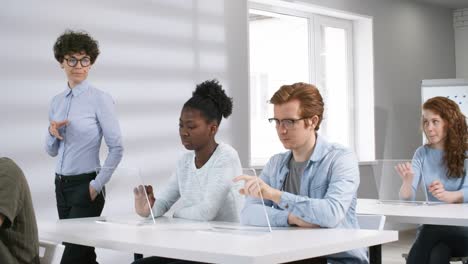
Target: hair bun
213 90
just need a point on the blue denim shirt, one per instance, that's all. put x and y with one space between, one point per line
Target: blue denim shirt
327 195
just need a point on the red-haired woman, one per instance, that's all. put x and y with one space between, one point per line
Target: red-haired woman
442 164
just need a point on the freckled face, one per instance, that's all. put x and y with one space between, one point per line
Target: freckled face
435 128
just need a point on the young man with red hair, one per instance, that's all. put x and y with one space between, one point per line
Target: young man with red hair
313 184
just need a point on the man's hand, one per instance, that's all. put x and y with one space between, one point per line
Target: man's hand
2 218
55 126
92 193
141 205
438 191
253 186
296 221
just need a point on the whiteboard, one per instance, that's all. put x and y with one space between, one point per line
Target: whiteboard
454 89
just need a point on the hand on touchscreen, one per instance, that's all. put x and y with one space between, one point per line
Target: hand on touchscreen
256 187
141 203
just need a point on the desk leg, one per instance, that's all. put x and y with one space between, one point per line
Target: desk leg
375 254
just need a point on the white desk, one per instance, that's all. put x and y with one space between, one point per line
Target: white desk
182 239
437 214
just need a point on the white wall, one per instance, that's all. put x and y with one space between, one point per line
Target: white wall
460 23
153 54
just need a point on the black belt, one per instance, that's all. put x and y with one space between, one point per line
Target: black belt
85 177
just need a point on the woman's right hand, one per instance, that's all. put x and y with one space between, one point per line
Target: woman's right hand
141 204
406 172
55 126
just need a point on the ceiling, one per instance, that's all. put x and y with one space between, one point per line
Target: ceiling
447 3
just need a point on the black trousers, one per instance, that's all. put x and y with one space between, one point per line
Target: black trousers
436 244
74 201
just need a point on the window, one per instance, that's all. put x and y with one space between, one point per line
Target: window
289 46
334 78
277 42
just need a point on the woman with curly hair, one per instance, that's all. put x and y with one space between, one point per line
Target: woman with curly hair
442 164
79 117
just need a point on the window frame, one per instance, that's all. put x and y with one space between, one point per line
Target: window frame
319 21
315 21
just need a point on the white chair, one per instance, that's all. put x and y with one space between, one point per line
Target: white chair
374 222
50 252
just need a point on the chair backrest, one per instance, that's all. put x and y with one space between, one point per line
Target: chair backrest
375 222
50 252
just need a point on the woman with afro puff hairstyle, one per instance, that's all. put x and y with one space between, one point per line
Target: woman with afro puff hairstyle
203 178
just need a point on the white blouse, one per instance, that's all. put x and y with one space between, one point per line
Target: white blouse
207 193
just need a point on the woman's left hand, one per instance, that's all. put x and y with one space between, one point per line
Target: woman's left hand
436 188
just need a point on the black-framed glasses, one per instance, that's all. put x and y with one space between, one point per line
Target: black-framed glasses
72 61
287 123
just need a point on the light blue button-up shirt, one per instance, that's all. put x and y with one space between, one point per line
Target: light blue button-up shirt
91 116
327 194
428 163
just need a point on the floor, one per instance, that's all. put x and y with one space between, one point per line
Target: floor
391 252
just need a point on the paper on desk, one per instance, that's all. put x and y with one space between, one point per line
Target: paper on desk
237 230
127 220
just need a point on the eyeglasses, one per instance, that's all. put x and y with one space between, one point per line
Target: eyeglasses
72 62
287 123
